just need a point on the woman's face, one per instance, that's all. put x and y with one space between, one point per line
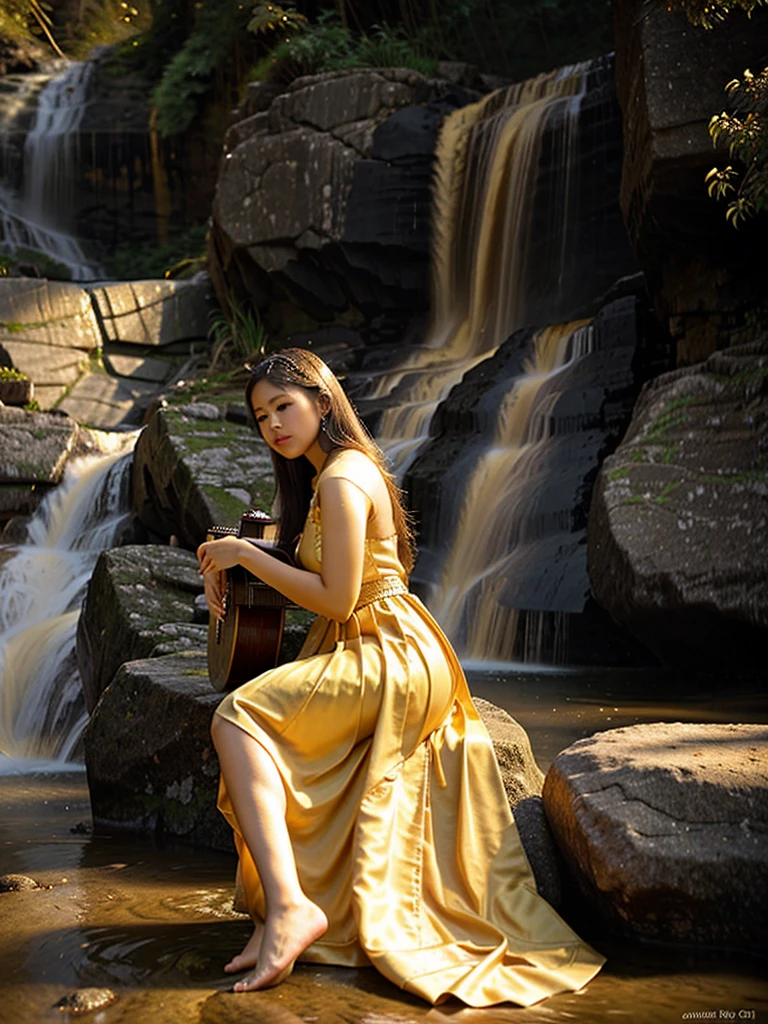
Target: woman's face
288 417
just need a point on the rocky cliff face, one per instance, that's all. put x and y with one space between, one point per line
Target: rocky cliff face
321 213
670 80
678 521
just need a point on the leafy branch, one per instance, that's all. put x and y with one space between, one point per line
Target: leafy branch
744 131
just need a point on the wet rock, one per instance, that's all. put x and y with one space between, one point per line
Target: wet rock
521 775
190 474
664 827
85 1000
151 764
679 514
523 782
670 80
34 450
139 597
36 446
17 883
49 330
591 402
350 240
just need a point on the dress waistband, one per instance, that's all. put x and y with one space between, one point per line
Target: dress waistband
375 590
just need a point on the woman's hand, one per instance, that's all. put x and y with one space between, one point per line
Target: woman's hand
218 555
214 585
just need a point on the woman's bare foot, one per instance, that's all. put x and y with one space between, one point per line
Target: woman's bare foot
250 954
287 933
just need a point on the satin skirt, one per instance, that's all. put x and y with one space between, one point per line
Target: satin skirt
399 822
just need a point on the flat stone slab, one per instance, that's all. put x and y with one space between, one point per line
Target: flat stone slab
34 446
148 368
665 827
106 402
51 313
154 312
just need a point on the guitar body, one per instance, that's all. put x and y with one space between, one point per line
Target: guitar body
246 641
246 645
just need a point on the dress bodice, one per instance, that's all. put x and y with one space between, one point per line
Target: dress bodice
380 557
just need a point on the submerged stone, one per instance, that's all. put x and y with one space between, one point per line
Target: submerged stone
17 883
85 1000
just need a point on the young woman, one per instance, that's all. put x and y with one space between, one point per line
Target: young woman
367 806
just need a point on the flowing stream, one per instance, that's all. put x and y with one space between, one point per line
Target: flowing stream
42 586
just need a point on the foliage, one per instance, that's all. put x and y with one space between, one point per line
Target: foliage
190 75
329 45
709 13
132 262
8 373
47 267
241 333
745 133
78 29
506 37
269 17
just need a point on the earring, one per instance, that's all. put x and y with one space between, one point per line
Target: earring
324 423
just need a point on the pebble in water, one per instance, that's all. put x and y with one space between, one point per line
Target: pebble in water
17 883
84 1000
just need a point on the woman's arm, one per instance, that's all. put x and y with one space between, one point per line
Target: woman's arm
335 591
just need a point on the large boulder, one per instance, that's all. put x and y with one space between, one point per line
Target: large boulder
139 597
152 768
664 827
322 204
677 525
194 469
670 81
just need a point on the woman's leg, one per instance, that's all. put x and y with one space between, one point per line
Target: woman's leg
292 921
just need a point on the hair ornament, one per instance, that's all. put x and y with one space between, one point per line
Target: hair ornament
267 365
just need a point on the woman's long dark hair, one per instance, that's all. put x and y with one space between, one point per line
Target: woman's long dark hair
298 368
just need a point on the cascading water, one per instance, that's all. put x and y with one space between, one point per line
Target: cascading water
487 165
498 533
36 209
42 585
527 239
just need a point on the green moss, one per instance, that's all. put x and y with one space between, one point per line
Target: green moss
231 508
674 415
622 473
664 496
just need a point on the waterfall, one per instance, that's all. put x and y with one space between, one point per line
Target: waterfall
38 214
498 534
498 456
485 249
42 585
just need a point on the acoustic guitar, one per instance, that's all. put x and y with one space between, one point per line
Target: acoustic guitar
245 641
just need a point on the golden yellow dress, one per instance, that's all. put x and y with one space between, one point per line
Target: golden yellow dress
396 810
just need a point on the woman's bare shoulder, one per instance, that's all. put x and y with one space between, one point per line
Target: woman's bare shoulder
354 465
